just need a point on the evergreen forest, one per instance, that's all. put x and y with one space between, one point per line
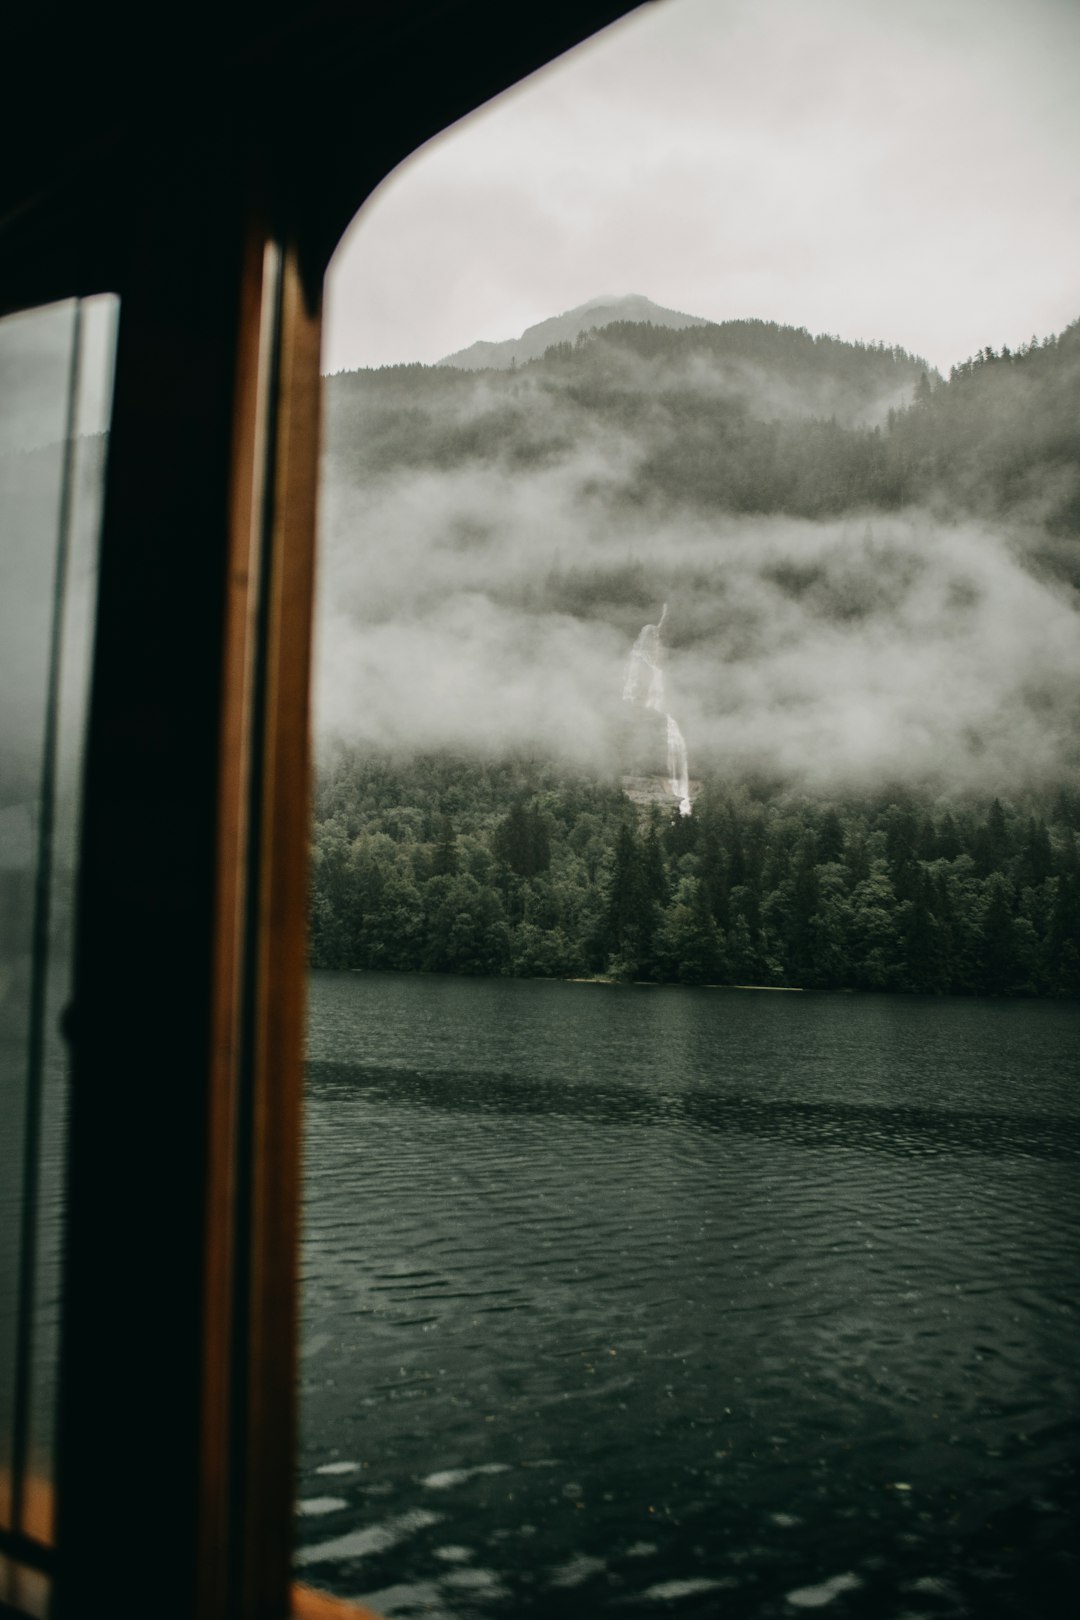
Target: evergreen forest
447 866
748 417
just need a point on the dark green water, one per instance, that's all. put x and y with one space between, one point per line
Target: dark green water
689 1302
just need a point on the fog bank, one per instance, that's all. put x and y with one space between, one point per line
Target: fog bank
494 611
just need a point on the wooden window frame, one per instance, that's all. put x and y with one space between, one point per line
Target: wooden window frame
209 193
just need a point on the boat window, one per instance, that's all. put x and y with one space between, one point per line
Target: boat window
649 1289
55 383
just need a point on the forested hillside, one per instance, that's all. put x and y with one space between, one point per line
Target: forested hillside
519 869
872 576
745 417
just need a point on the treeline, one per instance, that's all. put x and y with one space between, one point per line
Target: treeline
999 437
514 868
817 369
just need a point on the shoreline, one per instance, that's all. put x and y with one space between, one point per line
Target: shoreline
677 984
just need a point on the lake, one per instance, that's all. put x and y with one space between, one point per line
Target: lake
639 1300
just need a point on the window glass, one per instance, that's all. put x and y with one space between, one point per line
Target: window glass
55 385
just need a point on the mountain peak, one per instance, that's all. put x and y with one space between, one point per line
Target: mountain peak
598 311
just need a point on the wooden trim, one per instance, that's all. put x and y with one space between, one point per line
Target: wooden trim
253 1192
255 360
278 1036
307 1604
32 1542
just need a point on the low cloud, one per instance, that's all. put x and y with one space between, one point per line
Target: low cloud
494 611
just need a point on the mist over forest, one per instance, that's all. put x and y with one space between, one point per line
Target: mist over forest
871 570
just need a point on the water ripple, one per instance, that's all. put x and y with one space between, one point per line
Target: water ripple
788 1325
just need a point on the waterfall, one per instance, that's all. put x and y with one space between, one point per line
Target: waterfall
644 675
678 765
644 684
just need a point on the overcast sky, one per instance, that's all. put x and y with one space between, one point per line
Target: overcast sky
898 169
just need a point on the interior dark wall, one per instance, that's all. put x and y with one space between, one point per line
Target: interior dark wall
322 97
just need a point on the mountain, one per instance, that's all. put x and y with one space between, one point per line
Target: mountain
872 657
535 340
740 417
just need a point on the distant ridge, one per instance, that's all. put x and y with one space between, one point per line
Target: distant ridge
564 328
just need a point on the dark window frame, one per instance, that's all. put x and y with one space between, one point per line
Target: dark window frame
207 188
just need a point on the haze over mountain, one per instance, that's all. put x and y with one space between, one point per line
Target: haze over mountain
871 650
565 328
872 571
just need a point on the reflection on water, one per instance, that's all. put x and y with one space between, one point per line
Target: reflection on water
688 1302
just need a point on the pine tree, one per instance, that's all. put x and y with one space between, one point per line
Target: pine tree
1005 946
652 861
688 942
629 919
830 836
444 857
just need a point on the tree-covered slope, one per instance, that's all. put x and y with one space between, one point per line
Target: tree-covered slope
872 577
516 868
743 417
1001 436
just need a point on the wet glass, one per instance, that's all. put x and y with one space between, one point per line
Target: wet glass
56 368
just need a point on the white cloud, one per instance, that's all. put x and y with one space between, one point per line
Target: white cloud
881 647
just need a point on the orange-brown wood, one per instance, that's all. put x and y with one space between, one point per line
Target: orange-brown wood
38 1505
307 1604
39 1509
247 493
285 811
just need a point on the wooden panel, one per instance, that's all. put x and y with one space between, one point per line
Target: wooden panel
285 809
256 363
